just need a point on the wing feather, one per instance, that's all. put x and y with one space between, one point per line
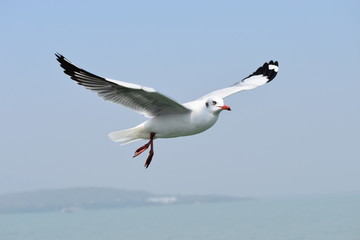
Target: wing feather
264 74
142 99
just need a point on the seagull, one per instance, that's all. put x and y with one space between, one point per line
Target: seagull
167 118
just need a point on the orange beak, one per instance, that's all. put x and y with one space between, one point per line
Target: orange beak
226 107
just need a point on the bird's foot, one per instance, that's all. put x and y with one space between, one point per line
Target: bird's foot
148 160
146 146
142 149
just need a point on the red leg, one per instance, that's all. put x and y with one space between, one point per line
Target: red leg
151 154
141 149
146 146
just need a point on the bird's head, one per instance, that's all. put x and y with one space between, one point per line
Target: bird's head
216 105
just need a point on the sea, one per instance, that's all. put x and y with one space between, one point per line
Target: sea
294 218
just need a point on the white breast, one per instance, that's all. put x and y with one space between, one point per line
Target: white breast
177 125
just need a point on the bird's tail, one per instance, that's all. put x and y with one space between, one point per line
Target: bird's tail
128 135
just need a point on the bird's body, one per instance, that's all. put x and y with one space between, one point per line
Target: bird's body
178 125
197 120
168 119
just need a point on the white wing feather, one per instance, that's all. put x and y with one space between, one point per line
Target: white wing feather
261 76
142 99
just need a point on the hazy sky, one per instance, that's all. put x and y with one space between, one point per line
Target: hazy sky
297 135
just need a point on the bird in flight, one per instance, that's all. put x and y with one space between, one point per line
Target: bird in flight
167 118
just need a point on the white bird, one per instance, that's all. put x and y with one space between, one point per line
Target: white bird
168 119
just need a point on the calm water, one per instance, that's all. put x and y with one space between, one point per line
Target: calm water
321 218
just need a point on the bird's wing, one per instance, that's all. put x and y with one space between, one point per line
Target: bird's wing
142 99
262 75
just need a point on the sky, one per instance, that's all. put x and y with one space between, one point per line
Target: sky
298 135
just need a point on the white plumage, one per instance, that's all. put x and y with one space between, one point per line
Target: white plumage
168 118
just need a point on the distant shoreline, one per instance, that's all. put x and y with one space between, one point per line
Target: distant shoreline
74 199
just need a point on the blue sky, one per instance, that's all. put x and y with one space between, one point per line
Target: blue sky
297 135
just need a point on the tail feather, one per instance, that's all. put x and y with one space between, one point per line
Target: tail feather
127 136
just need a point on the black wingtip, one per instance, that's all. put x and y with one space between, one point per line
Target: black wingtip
268 70
58 56
273 68
68 67
77 74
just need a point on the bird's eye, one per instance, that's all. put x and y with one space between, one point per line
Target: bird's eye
214 102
